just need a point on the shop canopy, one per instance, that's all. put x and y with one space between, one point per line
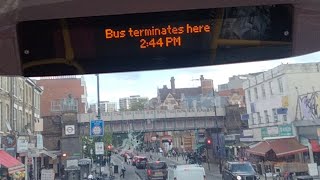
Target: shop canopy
10 162
281 147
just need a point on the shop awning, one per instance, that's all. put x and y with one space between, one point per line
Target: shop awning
281 147
10 162
315 145
48 153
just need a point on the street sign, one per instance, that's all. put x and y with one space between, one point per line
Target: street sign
99 148
22 145
96 128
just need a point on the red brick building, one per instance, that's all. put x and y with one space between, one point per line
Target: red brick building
57 89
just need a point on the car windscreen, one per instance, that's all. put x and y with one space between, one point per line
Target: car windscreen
157 165
242 168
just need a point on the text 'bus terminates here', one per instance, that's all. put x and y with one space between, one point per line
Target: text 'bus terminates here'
154 31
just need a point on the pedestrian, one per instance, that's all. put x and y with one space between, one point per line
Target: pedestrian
123 170
111 170
90 176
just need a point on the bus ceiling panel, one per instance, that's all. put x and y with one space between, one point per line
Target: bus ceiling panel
303 38
54 9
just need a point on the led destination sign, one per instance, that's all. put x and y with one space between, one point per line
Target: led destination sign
169 35
157 40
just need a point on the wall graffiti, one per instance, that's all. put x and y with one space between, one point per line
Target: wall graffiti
310 106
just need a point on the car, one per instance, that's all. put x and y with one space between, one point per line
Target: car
141 162
157 170
239 170
186 172
134 160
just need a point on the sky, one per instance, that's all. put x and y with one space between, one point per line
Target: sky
145 83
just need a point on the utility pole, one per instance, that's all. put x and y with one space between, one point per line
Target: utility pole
99 117
217 133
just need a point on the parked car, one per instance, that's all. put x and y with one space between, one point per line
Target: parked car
141 162
157 170
239 171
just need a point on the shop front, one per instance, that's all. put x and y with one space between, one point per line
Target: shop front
11 168
309 134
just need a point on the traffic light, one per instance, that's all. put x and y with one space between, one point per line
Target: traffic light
209 143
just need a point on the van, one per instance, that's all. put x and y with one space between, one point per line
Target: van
186 172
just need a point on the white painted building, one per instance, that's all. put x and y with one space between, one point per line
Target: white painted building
273 98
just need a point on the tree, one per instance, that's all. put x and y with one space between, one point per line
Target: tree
138 105
89 142
107 138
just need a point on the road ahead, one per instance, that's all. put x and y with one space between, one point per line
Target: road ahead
130 173
212 174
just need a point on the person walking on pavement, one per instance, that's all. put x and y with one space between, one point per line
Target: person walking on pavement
123 170
90 177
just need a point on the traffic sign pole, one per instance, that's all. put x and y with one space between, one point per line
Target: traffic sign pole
99 116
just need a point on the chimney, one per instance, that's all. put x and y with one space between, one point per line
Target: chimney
201 80
173 86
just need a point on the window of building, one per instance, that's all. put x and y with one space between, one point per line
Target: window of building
259 118
19 120
3 125
280 84
285 118
266 116
252 118
56 105
14 86
275 115
15 118
30 95
256 93
7 112
21 91
249 95
263 90
270 88
3 83
7 84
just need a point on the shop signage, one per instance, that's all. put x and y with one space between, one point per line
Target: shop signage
9 141
99 148
22 145
282 130
70 130
247 133
39 141
47 174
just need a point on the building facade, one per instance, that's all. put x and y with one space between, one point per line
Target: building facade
56 91
274 101
124 103
107 106
127 102
19 104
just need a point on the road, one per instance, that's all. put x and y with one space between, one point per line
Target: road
212 174
130 173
